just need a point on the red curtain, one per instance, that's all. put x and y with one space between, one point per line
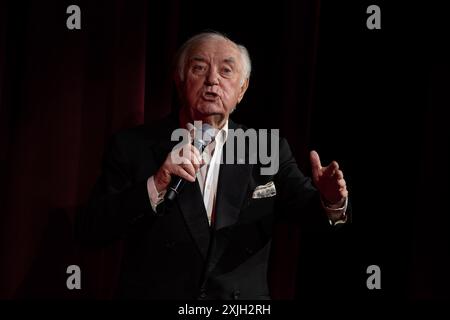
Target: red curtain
63 93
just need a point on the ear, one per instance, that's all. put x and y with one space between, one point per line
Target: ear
243 89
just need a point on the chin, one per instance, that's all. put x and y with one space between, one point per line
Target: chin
210 110
211 117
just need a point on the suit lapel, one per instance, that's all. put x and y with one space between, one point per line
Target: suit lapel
190 202
231 193
232 188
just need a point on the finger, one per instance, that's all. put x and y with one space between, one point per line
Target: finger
196 153
331 169
183 160
181 155
341 183
190 152
195 164
195 160
185 164
181 172
339 174
343 192
189 168
316 166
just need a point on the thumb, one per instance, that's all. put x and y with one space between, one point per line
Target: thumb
315 164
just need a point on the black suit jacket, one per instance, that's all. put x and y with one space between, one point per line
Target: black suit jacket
177 255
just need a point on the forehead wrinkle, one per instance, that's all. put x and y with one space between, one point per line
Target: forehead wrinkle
198 58
231 60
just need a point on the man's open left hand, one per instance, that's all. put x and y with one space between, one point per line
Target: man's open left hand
329 180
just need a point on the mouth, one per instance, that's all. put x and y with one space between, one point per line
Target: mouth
210 96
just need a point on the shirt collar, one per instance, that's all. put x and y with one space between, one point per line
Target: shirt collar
221 136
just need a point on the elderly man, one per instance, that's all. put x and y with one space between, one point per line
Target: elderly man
212 241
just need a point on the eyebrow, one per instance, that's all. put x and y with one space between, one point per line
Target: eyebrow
198 58
229 60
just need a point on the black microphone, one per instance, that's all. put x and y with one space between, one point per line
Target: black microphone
200 142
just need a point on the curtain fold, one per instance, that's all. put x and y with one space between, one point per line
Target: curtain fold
63 93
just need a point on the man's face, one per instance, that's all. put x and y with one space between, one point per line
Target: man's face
213 83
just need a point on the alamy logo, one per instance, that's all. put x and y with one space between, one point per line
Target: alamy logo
374 280
242 147
74 20
74 280
374 20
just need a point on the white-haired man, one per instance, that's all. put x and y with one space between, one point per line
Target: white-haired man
213 240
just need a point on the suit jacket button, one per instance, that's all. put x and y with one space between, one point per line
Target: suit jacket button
236 294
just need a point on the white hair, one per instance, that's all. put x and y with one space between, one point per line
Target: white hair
182 53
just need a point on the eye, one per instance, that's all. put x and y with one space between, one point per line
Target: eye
227 71
198 68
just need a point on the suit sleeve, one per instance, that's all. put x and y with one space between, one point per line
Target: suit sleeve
116 202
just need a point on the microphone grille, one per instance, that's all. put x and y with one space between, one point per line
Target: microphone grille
208 133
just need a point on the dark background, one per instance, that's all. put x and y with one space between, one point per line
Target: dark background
374 100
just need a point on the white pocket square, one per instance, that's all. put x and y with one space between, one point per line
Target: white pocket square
265 191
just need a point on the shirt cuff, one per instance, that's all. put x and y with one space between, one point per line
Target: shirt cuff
155 197
336 213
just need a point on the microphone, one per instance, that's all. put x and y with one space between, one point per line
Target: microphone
201 140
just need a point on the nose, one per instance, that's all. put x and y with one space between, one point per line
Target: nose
212 78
